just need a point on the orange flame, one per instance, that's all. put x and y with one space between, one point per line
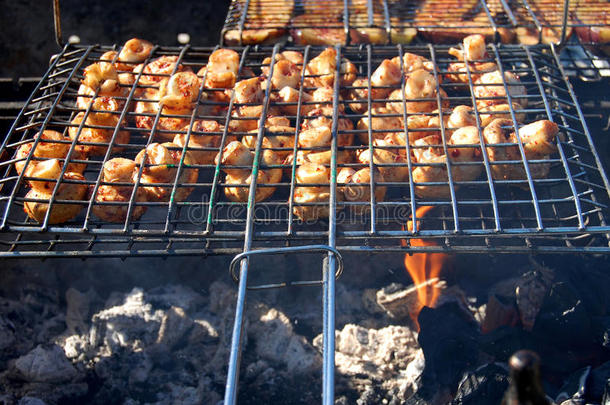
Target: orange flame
423 267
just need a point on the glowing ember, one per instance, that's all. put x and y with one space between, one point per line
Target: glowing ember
423 268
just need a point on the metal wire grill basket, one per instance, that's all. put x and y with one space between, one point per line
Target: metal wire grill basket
564 211
389 21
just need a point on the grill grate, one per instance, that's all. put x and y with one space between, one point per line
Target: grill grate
565 211
391 21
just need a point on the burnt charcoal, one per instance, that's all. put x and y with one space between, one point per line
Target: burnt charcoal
31 401
563 320
485 385
606 397
601 326
576 387
504 341
592 284
430 393
46 364
598 382
499 311
530 292
449 340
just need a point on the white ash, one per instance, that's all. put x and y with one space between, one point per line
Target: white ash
389 357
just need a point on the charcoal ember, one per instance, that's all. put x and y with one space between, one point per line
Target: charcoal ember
7 332
400 302
132 323
485 385
31 401
606 397
385 362
530 292
598 383
279 343
46 364
502 342
576 387
449 339
175 295
40 298
174 325
601 326
430 393
77 310
56 394
563 320
355 306
499 311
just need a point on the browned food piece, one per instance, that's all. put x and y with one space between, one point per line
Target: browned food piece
327 8
310 29
102 78
591 20
357 187
313 186
265 22
490 89
201 146
98 128
238 154
158 69
278 138
161 166
432 161
550 17
420 92
322 68
440 23
50 146
361 31
538 140
390 163
60 212
119 170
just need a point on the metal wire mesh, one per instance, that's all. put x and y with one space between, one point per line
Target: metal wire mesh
389 21
564 211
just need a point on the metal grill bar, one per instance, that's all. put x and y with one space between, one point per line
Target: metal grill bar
484 213
551 21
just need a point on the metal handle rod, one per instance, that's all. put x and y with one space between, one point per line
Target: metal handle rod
283 250
236 339
328 293
57 23
564 23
